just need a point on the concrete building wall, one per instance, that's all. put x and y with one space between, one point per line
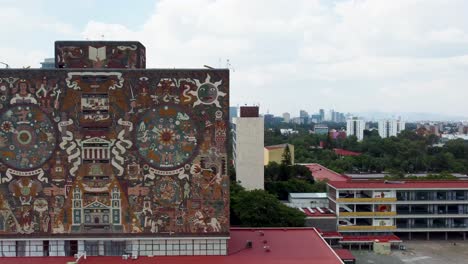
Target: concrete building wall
286 117
390 128
276 154
311 202
355 127
248 152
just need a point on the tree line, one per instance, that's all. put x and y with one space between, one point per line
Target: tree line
407 153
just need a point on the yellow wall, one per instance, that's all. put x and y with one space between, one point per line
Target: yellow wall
275 155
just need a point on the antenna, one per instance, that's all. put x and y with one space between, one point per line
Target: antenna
229 65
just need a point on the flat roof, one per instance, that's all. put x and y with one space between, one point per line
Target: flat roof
308 195
279 146
318 212
321 173
286 245
344 152
377 176
344 254
404 184
371 239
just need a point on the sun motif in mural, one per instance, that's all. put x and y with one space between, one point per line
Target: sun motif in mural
166 137
207 93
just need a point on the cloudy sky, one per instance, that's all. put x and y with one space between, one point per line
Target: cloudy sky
353 56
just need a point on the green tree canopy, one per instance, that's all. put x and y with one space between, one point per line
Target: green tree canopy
258 208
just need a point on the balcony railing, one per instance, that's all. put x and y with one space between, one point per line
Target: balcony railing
351 200
356 227
367 213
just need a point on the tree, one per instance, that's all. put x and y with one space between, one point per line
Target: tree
258 208
286 158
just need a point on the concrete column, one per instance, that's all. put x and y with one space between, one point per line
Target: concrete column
464 235
101 248
446 235
428 237
81 246
409 235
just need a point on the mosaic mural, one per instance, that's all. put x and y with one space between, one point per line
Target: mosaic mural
100 54
123 152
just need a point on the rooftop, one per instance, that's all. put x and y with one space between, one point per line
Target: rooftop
269 245
308 195
318 212
407 184
280 146
371 239
344 254
321 173
344 152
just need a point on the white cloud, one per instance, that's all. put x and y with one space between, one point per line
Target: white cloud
305 54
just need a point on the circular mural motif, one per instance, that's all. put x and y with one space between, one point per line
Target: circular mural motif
166 137
27 137
167 191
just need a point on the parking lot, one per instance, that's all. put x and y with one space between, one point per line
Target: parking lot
419 252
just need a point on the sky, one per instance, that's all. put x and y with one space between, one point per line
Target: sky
284 55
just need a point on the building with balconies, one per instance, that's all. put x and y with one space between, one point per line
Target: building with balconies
406 208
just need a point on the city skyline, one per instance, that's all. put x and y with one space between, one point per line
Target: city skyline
283 57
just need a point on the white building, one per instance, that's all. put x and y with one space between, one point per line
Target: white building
355 127
390 128
304 200
248 149
286 117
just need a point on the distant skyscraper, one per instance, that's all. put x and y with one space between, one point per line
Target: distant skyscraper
355 127
304 116
286 117
268 118
232 113
390 128
322 115
248 134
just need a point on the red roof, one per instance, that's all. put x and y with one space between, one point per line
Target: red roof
368 239
321 173
286 245
344 152
331 234
314 212
407 184
344 254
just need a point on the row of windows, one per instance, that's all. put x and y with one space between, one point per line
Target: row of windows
114 248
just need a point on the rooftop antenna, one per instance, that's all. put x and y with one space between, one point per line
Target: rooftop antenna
6 65
229 66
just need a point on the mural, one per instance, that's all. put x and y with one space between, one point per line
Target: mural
89 152
100 54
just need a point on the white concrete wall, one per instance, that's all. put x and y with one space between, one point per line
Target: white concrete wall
351 124
390 128
249 146
312 202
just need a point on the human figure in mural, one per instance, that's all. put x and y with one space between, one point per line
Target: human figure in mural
23 96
